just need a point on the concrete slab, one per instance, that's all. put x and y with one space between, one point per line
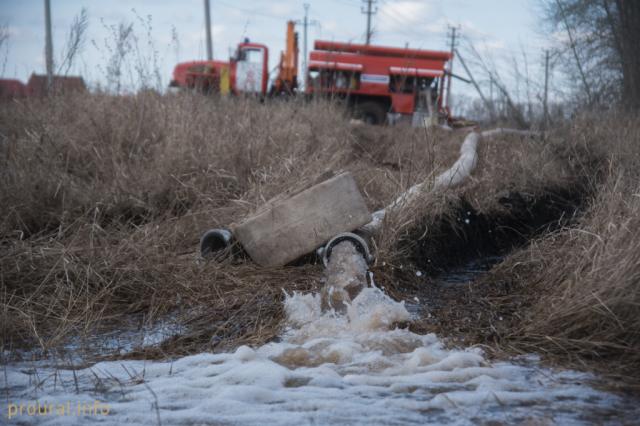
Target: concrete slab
298 225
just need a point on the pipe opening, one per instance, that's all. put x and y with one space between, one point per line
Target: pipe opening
215 242
359 243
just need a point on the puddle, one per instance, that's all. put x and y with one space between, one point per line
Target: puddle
464 274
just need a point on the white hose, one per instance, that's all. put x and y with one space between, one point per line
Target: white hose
465 164
456 174
346 272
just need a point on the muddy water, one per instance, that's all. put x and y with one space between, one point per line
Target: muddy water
328 368
468 272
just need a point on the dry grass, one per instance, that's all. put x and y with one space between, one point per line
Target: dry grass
507 165
574 294
104 198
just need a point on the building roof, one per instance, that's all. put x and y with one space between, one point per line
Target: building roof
37 84
10 89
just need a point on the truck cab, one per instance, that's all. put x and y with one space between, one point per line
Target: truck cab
250 69
247 72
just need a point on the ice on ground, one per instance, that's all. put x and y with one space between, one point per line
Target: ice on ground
131 335
356 368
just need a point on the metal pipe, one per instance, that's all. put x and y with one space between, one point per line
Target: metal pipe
358 242
215 241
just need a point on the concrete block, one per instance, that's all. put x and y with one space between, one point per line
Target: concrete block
298 225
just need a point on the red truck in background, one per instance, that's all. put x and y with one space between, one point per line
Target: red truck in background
247 72
378 80
378 83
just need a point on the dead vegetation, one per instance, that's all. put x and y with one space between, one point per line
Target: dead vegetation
104 198
573 294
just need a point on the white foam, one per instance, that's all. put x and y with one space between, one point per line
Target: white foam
357 368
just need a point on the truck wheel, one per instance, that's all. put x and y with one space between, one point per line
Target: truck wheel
371 112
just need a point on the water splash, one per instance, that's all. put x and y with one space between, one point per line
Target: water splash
345 277
353 368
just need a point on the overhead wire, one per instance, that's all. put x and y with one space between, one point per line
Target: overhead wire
408 32
250 11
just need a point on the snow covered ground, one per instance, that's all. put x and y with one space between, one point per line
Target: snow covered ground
356 368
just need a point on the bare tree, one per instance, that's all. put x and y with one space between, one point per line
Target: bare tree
628 43
602 46
121 46
487 66
75 41
4 34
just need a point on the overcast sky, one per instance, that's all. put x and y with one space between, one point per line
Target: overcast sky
501 28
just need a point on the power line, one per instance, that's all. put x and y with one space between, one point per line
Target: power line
347 3
408 31
251 11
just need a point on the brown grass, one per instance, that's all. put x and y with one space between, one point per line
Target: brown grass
574 294
104 198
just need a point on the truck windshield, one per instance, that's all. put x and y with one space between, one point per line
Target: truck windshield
253 56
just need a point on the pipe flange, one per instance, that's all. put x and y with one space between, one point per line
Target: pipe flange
215 241
360 244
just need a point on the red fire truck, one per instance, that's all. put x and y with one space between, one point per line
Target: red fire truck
377 82
247 72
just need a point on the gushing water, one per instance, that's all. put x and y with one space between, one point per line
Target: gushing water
345 277
355 367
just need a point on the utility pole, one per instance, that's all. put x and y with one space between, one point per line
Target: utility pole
207 23
306 22
453 48
48 49
475 84
369 11
546 88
